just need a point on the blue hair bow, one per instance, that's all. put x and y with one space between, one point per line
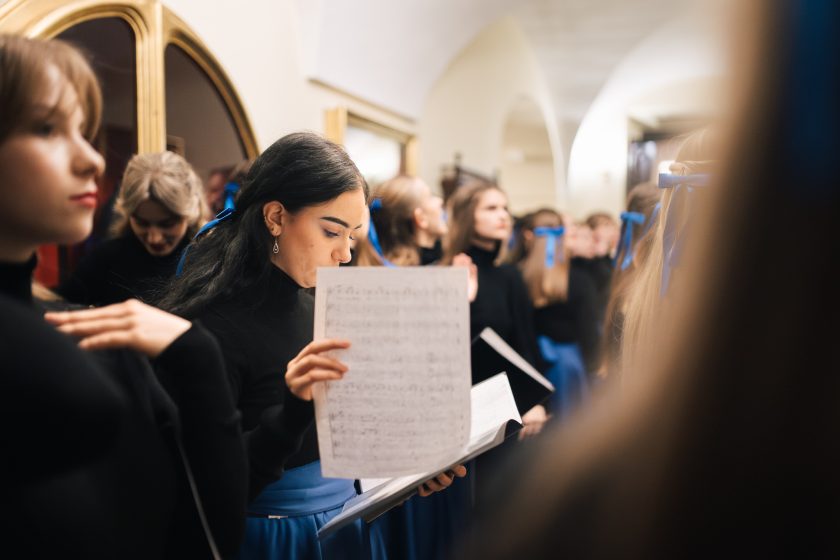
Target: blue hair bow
553 235
373 237
628 220
231 188
674 234
220 217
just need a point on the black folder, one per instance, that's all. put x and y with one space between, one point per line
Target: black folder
491 355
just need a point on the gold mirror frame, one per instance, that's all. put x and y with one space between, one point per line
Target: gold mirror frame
339 118
154 27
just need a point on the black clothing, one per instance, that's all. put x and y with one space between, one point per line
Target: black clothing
260 332
574 320
600 270
431 255
94 468
120 269
502 303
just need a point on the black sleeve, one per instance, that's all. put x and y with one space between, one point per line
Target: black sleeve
86 284
281 427
583 296
59 409
211 433
522 312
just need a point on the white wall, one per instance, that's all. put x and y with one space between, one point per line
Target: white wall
647 81
468 106
269 73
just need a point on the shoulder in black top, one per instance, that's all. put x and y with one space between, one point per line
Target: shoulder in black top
502 303
260 332
576 319
120 269
97 472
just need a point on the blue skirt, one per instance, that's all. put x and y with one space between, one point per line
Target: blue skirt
425 528
566 372
283 521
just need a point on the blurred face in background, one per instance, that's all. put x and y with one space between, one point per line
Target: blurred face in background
431 218
580 241
159 230
605 239
492 218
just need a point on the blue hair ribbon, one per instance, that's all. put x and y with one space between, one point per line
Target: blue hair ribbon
628 220
373 237
231 188
674 234
220 217
553 235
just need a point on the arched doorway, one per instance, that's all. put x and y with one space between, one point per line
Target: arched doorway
162 89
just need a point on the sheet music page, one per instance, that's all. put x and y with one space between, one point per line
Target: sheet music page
502 347
403 406
492 405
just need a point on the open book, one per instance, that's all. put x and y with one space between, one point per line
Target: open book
494 417
491 354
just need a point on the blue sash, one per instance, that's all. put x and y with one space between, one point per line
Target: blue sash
567 372
302 491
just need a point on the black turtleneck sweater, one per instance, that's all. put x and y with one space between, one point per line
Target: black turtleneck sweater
576 319
502 303
92 465
120 269
260 331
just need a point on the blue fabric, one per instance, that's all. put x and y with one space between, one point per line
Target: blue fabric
553 235
220 217
625 244
425 528
231 189
675 229
566 372
303 502
373 237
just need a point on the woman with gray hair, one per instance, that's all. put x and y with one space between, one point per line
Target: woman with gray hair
159 208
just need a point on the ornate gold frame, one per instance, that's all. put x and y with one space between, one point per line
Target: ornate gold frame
339 118
154 27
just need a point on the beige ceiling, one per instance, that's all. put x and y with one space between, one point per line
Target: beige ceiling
399 48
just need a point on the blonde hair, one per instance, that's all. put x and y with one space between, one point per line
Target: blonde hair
394 223
24 64
545 285
461 209
644 302
166 178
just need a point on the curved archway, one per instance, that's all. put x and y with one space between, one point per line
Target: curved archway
526 168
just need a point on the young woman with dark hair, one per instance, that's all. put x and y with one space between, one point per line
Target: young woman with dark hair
250 280
101 463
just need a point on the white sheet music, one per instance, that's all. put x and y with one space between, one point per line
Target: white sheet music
493 406
403 407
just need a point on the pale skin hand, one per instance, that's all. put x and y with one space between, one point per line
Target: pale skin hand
533 422
441 481
130 324
311 365
462 259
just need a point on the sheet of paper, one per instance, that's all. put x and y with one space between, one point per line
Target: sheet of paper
403 407
502 347
492 406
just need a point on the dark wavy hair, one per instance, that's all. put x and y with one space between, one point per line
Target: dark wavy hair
299 170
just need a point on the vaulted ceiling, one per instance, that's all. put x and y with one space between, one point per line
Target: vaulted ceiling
406 46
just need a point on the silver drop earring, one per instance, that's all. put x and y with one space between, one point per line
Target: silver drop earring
275 249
